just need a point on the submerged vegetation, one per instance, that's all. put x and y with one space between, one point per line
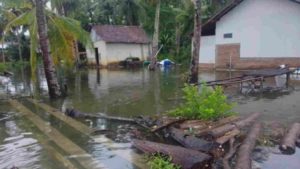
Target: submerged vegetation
207 104
161 162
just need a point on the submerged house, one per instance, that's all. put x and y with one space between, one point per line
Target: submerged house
113 44
252 34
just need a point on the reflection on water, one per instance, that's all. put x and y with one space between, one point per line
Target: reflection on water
17 147
278 161
123 93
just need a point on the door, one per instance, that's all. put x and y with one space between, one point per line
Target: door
97 57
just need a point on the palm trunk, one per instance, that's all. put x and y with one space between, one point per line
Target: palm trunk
19 46
193 76
2 51
50 73
178 36
155 37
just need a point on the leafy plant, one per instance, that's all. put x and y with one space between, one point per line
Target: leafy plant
161 162
3 67
207 104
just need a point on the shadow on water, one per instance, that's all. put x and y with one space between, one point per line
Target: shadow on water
126 93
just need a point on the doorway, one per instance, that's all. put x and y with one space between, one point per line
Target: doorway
97 56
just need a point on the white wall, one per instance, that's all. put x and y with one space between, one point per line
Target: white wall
207 49
120 51
101 45
264 28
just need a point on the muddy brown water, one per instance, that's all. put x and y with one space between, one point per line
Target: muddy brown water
126 93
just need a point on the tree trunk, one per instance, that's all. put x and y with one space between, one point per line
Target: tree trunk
50 73
244 154
2 51
288 145
186 158
190 141
155 37
220 131
193 77
178 37
19 45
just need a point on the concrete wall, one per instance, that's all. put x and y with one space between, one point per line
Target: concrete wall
115 52
207 50
119 51
263 28
101 45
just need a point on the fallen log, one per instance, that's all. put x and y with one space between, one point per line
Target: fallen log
231 152
288 145
194 124
191 142
166 124
186 158
244 153
228 136
78 114
209 127
220 131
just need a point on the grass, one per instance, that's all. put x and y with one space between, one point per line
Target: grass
207 104
161 162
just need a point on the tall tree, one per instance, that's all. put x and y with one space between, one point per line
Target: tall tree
193 75
50 73
155 36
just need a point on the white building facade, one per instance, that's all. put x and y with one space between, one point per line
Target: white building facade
252 34
113 44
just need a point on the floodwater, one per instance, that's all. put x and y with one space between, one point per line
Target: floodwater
126 93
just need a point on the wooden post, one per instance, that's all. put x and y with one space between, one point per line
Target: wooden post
287 79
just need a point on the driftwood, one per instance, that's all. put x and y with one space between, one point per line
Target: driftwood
191 141
78 114
220 131
231 152
228 136
186 158
209 127
244 154
166 124
288 145
195 124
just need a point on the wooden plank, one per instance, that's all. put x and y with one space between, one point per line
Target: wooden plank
60 115
60 140
228 136
85 130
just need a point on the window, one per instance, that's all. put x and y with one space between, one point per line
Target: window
227 35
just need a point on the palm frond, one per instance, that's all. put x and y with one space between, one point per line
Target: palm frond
24 19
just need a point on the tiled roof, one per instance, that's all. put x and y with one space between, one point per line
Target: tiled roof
121 34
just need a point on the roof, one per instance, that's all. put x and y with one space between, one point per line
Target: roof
121 34
208 28
210 25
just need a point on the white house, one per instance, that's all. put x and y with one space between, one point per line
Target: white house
114 43
252 34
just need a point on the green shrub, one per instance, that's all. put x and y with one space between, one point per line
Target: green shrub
207 104
161 162
3 67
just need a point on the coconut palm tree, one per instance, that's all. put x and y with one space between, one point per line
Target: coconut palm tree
54 33
50 73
